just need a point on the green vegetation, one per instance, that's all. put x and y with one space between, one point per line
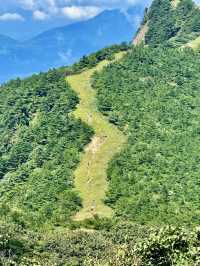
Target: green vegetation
90 177
58 134
153 95
162 22
40 145
171 25
91 61
195 44
122 245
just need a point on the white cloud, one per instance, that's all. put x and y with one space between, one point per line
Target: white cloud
11 17
66 57
49 4
71 9
40 15
80 12
52 4
28 4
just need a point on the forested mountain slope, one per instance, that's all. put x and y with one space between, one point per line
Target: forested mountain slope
152 95
36 190
41 142
171 23
39 149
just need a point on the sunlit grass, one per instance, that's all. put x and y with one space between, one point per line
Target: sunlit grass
90 176
175 3
195 44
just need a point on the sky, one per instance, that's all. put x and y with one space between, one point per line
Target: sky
22 19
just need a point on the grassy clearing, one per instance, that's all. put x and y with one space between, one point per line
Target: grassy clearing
175 3
90 176
195 44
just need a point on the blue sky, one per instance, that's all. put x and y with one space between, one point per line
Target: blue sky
21 19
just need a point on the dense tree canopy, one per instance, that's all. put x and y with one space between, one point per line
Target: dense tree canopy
153 95
172 26
39 149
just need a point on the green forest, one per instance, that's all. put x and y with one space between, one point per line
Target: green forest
40 145
150 93
153 95
170 26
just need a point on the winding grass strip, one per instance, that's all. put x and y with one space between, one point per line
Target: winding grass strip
90 176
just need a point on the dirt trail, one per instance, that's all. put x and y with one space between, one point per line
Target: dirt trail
90 176
141 35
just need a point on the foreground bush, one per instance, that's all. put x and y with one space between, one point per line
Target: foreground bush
122 245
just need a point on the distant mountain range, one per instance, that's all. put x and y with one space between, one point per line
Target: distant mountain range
65 45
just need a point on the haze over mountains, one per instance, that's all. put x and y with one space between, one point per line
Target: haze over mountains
65 45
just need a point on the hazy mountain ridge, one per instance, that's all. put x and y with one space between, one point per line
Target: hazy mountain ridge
6 41
65 45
